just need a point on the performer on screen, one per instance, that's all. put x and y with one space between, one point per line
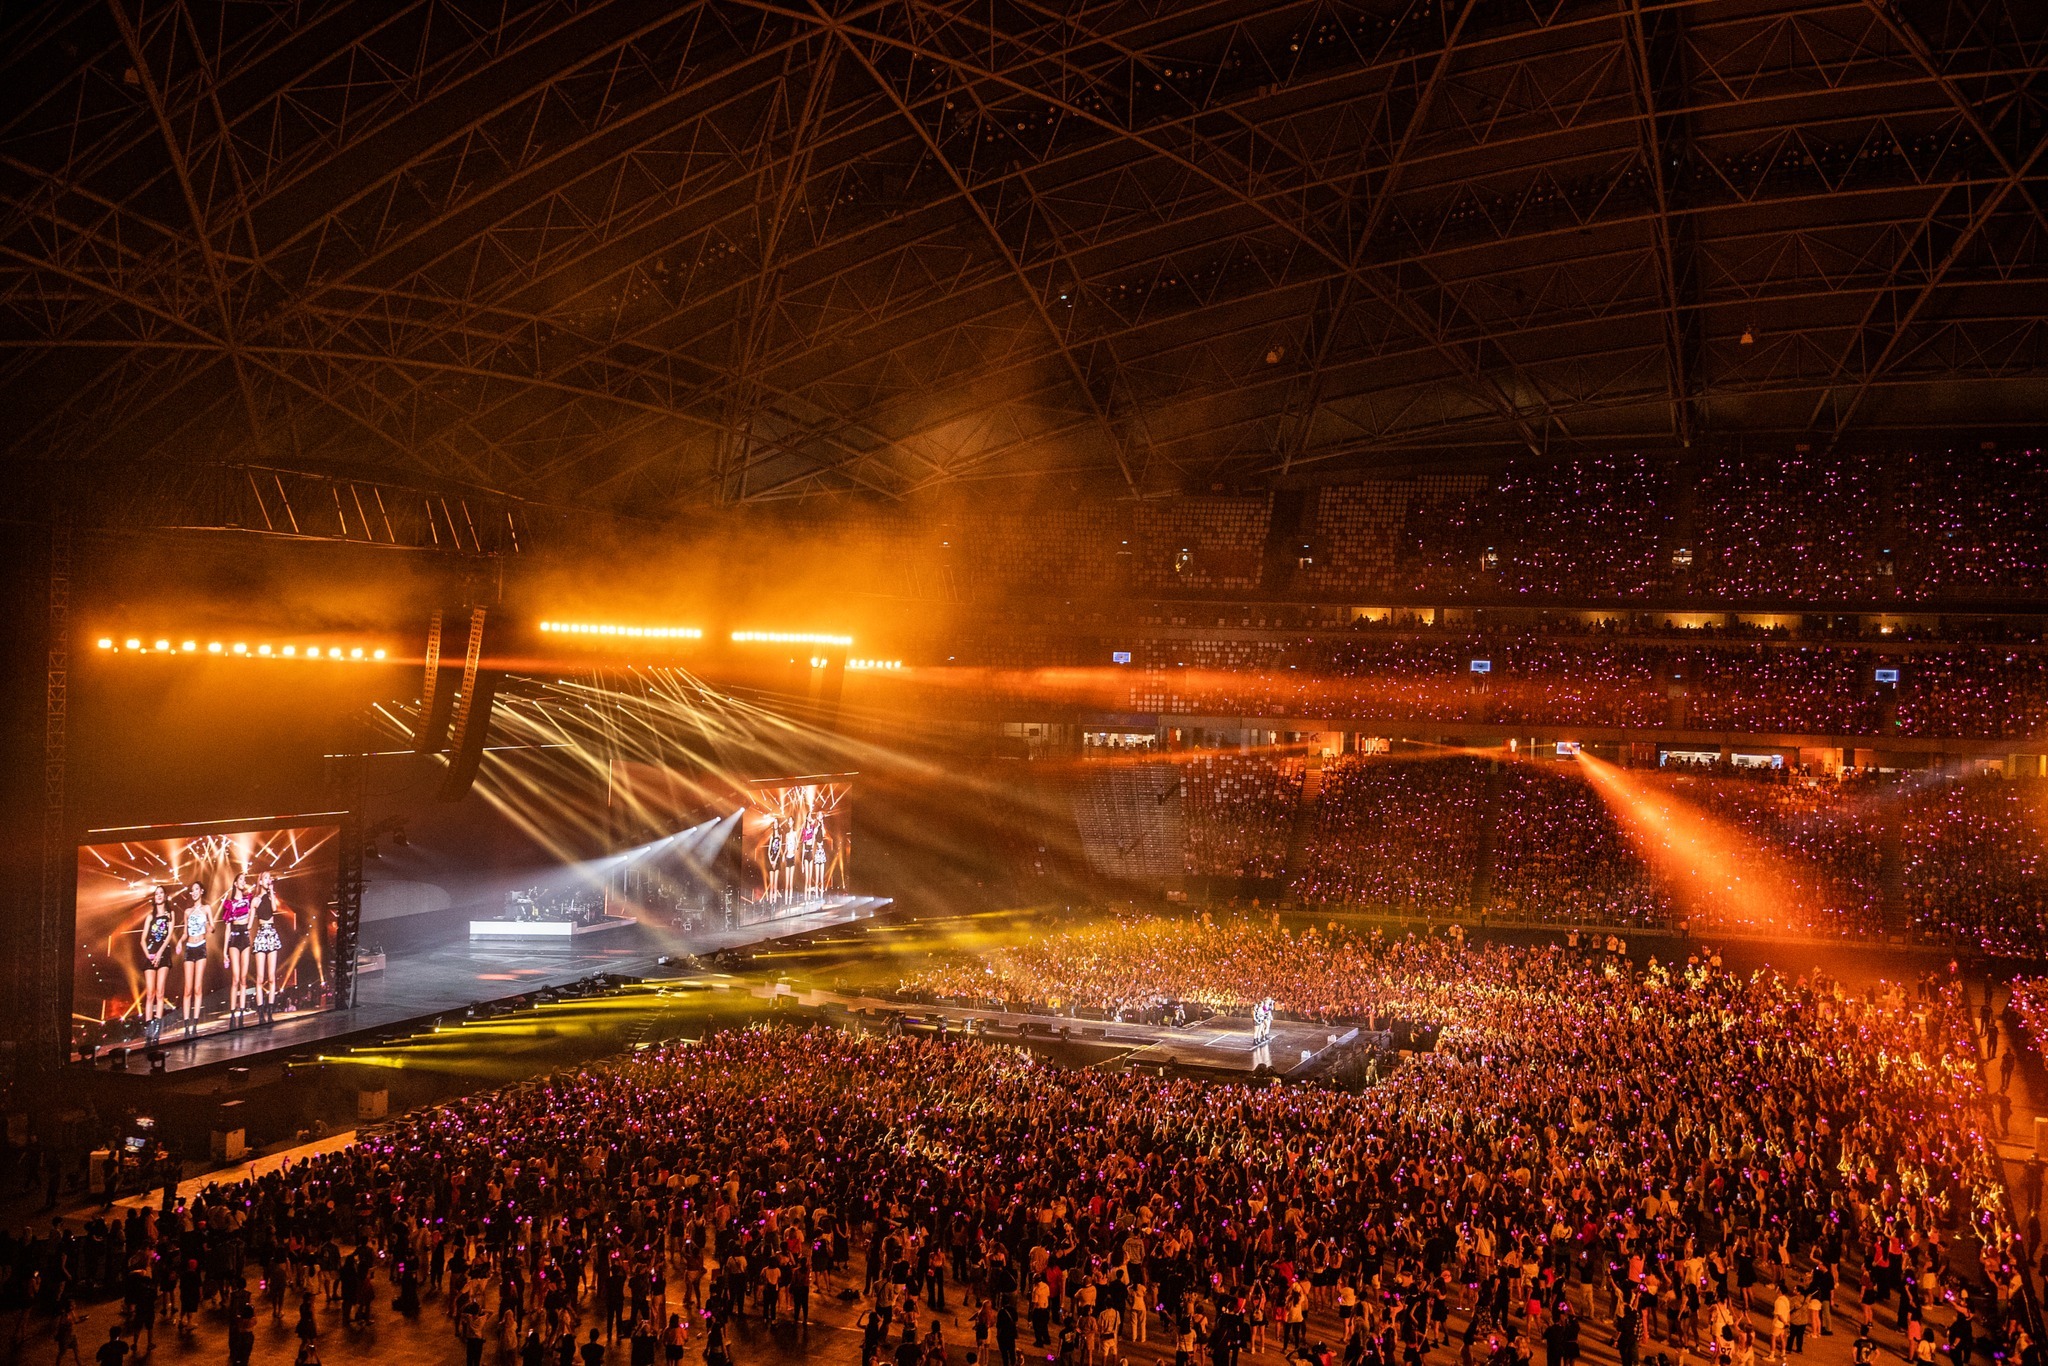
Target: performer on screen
198 925
785 883
821 855
157 931
239 917
771 890
266 946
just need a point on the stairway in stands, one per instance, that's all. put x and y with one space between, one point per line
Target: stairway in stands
1304 816
1128 816
1482 855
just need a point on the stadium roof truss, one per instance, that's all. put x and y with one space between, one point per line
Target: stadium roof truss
595 252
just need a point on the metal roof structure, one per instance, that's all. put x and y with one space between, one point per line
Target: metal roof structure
604 253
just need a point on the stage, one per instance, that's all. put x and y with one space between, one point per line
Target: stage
548 930
456 974
1221 1044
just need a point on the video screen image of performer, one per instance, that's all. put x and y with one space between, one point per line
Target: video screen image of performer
210 928
796 842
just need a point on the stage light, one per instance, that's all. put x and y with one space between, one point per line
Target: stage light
290 651
134 644
789 638
190 646
263 650
213 647
574 628
376 654
106 643
334 652
871 664
163 645
356 653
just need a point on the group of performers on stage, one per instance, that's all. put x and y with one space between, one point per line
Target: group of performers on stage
180 931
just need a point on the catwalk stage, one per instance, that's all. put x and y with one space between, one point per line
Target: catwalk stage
1222 1044
459 973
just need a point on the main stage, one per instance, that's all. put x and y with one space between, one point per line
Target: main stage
459 973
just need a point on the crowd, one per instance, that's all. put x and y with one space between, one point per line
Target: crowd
1856 854
1674 1157
1763 686
1824 834
1560 858
1975 856
1132 966
1589 526
1237 811
1395 835
1748 529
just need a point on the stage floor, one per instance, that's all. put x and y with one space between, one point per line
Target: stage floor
459 973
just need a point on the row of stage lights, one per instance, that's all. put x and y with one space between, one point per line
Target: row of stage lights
856 665
572 628
240 649
583 628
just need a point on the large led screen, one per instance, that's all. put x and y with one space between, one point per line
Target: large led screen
195 929
796 841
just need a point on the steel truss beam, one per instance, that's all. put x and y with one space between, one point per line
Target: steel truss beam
671 259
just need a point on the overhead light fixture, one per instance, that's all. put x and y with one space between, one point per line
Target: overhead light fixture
788 638
1748 337
586 628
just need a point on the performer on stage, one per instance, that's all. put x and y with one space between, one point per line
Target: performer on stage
239 917
157 930
198 925
266 946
